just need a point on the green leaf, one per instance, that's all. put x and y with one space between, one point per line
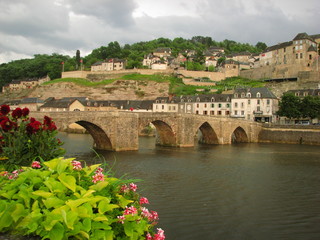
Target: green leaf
63 164
86 224
123 202
57 232
85 211
68 181
69 218
105 206
42 193
100 219
52 164
99 186
53 202
128 229
85 235
18 212
6 217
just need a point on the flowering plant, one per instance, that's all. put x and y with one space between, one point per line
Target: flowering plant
23 138
60 199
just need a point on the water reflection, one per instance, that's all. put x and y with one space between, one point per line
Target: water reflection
242 191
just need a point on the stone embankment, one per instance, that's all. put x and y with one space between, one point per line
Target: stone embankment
291 134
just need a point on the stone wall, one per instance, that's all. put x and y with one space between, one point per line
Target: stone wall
292 135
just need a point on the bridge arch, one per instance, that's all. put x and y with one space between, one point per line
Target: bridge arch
165 134
239 135
208 135
100 138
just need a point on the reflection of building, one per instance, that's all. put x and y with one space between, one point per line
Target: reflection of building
110 64
257 104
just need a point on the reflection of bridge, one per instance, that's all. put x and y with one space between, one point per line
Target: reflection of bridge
118 131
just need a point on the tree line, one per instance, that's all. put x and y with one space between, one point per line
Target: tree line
52 65
294 107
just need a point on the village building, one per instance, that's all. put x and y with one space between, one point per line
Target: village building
301 93
17 85
255 104
110 64
33 104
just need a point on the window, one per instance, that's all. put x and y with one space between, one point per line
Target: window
242 95
310 57
297 55
301 55
162 107
258 101
296 94
212 105
242 113
227 113
212 99
220 105
205 105
284 50
197 112
249 95
205 112
242 105
258 94
156 106
198 99
268 101
211 112
235 112
235 104
249 101
219 113
197 105
305 94
227 105
169 108
236 95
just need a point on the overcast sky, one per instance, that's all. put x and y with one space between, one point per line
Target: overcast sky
63 26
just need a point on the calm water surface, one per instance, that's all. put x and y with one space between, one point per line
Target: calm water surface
242 191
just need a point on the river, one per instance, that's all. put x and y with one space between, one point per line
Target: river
240 191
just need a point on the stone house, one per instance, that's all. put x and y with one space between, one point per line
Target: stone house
255 104
163 52
305 92
33 104
110 64
16 85
299 54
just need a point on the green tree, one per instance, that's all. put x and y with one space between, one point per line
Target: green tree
261 46
289 106
310 107
78 59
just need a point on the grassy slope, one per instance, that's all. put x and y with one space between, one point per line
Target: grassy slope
177 87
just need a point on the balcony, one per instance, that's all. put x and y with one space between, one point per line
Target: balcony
257 112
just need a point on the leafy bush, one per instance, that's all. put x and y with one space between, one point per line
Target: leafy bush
23 139
63 200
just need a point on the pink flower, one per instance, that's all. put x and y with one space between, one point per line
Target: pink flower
98 177
133 187
121 218
76 165
145 213
144 200
124 188
130 210
159 235
154 216
148 236
35 164
99 170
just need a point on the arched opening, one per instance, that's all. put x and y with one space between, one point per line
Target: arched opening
206 134
239 136
100 138
164 134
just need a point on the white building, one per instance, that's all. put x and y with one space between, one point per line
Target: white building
255 104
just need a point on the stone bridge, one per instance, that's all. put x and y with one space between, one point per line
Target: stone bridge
119 131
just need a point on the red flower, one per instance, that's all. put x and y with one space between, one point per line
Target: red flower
25 112
6 124
47 120
5 109
33 127
17 113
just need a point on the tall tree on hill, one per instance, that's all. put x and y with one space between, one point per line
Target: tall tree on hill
78 59
261 46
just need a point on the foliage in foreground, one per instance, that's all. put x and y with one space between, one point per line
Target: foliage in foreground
23 138
61 200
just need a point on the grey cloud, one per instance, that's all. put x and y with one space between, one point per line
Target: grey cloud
115 13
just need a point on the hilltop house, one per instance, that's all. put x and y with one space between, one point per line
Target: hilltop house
16 85
110 64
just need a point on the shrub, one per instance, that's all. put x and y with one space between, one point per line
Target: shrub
61 200
24 139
